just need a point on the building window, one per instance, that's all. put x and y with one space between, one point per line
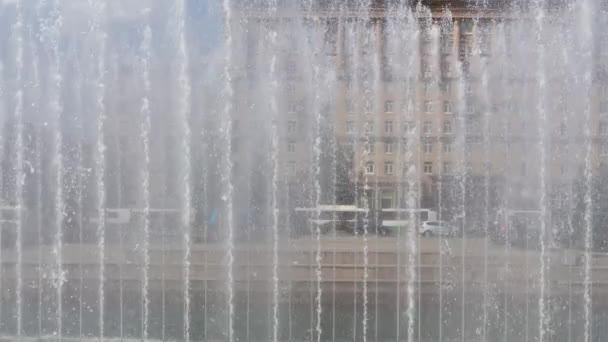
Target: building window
387 199
427 127
388 106
447 70
369 168
426 71
368 106
409 127
388 127
448 167
369 127
604 150
448 146
291 147
404 146
447 127
562 129
603 129
350 126
369 147
291 68
472 125
468 89
447 107
388 168
428 147
445 86
604 107
428 107
291 88
426 87
388 147
292 107
291 126
291 167
350 86
470 109
428 168
350 106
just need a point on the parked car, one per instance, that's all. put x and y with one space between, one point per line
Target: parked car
437 228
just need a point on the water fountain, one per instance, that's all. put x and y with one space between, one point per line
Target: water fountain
260 170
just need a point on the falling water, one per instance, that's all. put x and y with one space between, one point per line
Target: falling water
227 165
462 107
412 196
2 140
274 112
99 36
586 32
56 108
542 136
486 104
18 160
145 139
183 113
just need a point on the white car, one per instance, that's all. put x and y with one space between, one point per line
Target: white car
436 228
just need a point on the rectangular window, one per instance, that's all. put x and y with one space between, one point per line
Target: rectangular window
409 127
472 125
388 106
447 107
387 199
445 86
350 127
291 167
388 147
470 109
388 127
428 107
426 87
369 127
369 147
448 146
604 107
428 168
468 89
291 88
447 127
291 147
291 68
292 107
447 69
369 106
427 147
404 146
427 128
350 106
291 126
388 168
448 167
426 72
369 168
603 129
563 129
